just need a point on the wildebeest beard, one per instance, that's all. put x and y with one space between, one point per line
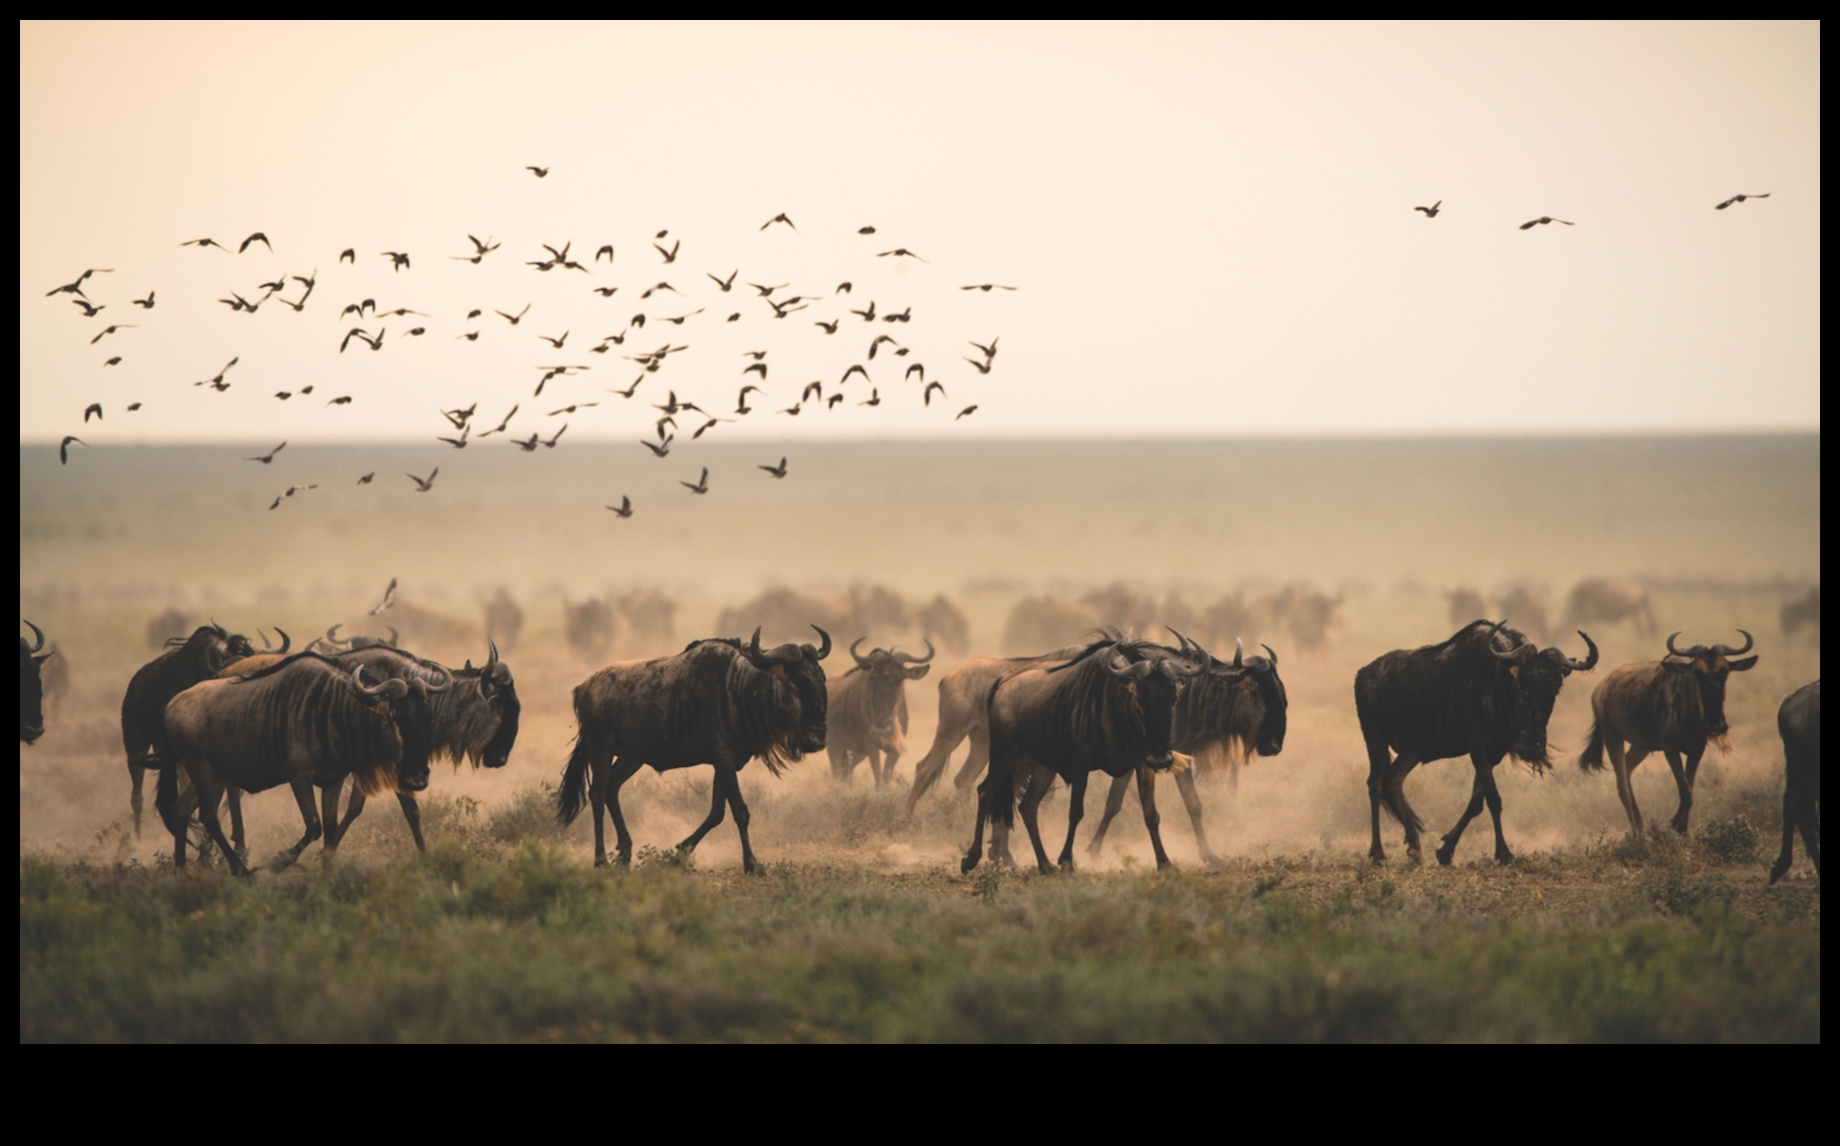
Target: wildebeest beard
1103 709
776 713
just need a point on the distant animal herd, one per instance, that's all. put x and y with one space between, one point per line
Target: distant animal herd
214 715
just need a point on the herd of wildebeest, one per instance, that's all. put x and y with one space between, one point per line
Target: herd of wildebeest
214 716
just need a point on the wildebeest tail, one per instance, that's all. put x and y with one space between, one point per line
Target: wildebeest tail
573 794
1592 758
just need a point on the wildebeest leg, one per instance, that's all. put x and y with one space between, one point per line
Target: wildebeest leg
137 773
976 762
621 770
353 808
1477 795
1153 820
234 795
1076 810
1031 801
309 813
1792 816
1621 764
732 779
887 773
1191 799
933 764
600 780
1394 792
718 802
413 814
1683 783
1379 762
210 792
976 851
1114 802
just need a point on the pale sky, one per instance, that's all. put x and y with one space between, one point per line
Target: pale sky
1211 225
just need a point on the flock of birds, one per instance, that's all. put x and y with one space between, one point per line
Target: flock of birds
677 419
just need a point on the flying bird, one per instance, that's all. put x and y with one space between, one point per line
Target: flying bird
879 339
1543 220
778 471
269 456
93 408
757 368
875 398
342 400
624 509
707 426
144 303
605 249
988 287
108 330
989 352
670 256
398 259
865 230
458 443
702 483
659 449
867 315
115 361
792 409
366 479
423 485
550 443
726 284
133 406
459 417
843 288
927 394
258 237
965 411
628 392
898 252
88 310
572 409
1431 212
513 319
349 255
1720 207
856 369
832 401
205 243
555 342
982 367
64 448
539 172
500 428
917 368
813 387
829 327
779 218
741 406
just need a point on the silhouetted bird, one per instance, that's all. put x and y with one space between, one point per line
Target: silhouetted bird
875 398
205 243
64 448
93 408
702 483
832 401
555 342
550 443
398 259
842 288
342 400
988 287
349 255
389 594
624 509
867 315
470 336
269 456
855 369
88 310
778 471
865 230
989 352
500 428
965 411
572 409
670 256
133 406
258 237
144 303
917 368
1542 221
108 330
779 218
513 319
366 479
898 252
422 485
726 284
539 172
628 392
1431 212
759 368
1720 207
813 388
115 361
829 327
927 395
879 339
659 449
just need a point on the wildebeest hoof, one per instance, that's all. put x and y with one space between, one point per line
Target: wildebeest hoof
1377 858
965 865
1444 856
1777 872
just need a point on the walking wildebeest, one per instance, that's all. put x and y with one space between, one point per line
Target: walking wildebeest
1485 692
1673 706
306 722
504 619
1600 599
1227 712
1799 722
718 702
1803 612
186 662
476 720
868 711
962 714
1110 709
31 685
941 620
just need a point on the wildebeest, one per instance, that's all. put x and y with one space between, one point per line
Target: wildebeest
718 702
866 609
1527 608
1799 721
306 722
1037 621
589 628
332 644
31 685
962 715
1485 692
1803 612
1226 712
1673 706
940 620
186 662
1602 600
1305 613
163 628
1463 602
650 617
504 620
868 711
475 720
1109 709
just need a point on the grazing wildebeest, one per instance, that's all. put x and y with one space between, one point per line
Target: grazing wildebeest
868 711
1109 709
940 620
186 662
1601 600
504 620
1673 706
475 720
962 714
1799 721
1803 612
718 702
1228 711
1485 692
1463 602
306 722
31 685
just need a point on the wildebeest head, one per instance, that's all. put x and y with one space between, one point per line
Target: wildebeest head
405 702
31 685
1538 675
1152 676
494 687
888 670
796 667
332 643
1258 676
1708 667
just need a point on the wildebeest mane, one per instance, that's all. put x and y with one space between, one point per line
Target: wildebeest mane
1098 706
463 720
758 701
326 714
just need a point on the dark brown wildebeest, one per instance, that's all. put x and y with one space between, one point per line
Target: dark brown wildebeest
1485 692
1228 619
186 662
31 685
305 722
475 720
1226 712
1110 709
868 711
1803 613
962 714
589 628
1600 600
504 620
1305 613
718 702
1799 722
650 617
1673 706
940 620
1463 602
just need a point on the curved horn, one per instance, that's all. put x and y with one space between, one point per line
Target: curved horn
1239 649
909 658
1116 664
447 680
1269 653
1515 655
1180 668
286 641
39 634
394 636
391 689
492 660
1590 660
1727 650
332 634
824 650
861 663
1187 646
1670 645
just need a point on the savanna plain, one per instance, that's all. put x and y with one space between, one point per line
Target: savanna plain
860 926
